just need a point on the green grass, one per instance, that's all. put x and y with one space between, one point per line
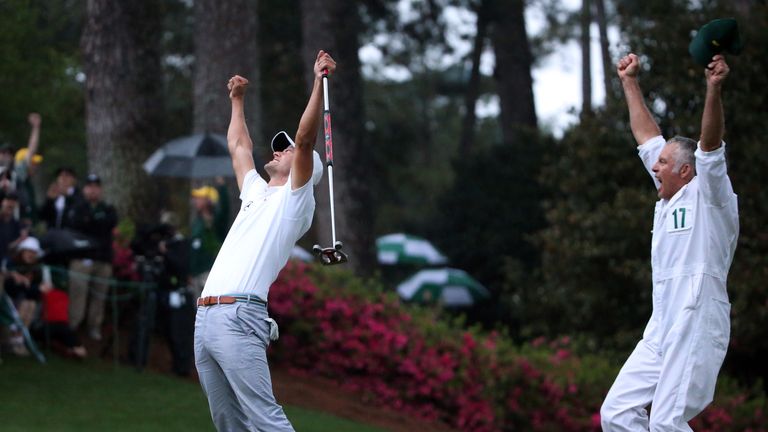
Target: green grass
65 395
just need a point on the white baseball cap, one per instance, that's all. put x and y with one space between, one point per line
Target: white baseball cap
32 244
281 141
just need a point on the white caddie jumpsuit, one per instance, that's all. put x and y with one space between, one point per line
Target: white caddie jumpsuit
675 365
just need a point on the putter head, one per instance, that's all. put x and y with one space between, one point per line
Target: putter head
330 255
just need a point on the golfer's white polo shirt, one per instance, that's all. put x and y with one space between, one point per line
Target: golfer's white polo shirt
270 221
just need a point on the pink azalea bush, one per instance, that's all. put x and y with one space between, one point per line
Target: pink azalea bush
410 359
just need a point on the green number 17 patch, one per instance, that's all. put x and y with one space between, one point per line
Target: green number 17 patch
680 219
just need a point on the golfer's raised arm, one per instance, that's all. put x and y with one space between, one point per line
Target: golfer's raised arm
238 140
301 170
641 121
712 120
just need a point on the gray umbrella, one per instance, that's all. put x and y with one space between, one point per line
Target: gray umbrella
193 156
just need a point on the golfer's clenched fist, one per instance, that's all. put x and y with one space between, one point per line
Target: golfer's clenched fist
237 86
324 61
717 70
628 66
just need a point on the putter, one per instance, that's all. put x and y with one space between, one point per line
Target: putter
330 255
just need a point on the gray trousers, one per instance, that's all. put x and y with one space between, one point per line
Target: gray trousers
231 343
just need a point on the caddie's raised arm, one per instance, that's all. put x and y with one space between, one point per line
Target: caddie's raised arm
641 121
712 120
301 169
238 140
711 167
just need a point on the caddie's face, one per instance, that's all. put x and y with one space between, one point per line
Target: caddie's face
669 181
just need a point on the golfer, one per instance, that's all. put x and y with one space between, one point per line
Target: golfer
695 228
232 328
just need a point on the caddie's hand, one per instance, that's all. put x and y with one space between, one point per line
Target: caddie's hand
34 120
717 70
322 62
628 66
236 86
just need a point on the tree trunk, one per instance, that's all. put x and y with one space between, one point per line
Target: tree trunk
226 43
334 26
586 59
473 86
602 25
513 68
123 100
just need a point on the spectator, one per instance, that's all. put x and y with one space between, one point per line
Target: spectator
16 177
61 197
6 157
176 317
26 163
6 181
11 230
89 274
123 261
56 320
22 284
207 231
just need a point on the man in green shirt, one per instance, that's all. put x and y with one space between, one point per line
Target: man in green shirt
207 231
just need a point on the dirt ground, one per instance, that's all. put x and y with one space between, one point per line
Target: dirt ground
313 393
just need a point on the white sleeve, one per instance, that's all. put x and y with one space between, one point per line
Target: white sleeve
649 153
251 177
714 182
300 202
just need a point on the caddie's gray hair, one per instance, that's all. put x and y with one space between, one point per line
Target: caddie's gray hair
684 153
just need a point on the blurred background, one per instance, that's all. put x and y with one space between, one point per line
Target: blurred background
493 131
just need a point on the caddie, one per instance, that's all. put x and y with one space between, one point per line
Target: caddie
674 367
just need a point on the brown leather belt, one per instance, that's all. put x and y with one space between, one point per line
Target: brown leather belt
229 299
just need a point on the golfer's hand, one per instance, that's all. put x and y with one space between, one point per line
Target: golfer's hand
628 66
236 86
322 62
717 70
34 120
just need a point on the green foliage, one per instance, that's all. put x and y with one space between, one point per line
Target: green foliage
485 217
595 249
39 73
413 139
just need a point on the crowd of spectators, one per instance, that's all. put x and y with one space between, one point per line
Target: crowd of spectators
62 258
